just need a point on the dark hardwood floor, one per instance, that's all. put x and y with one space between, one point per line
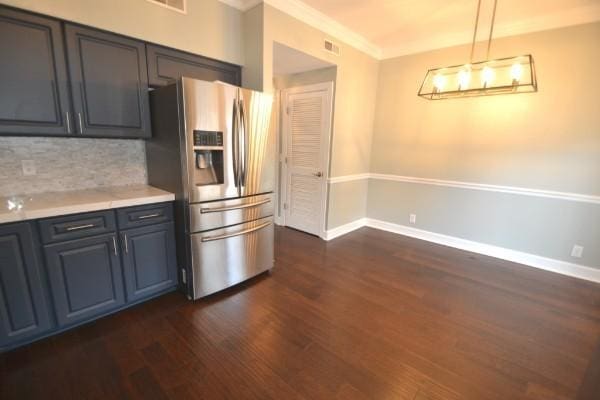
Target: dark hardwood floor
370 315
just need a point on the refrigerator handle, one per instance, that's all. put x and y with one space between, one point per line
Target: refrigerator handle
235 148
244 147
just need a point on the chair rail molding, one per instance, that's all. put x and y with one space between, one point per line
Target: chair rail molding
579 197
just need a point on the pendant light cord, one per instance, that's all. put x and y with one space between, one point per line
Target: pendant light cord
489 46
491 30
475 31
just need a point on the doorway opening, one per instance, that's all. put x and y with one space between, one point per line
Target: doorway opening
304 89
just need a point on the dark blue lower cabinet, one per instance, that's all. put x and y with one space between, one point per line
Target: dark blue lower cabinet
149 260
85 278
24 309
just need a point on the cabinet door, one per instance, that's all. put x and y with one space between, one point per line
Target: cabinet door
149 260
34 99
109 82
85 278
167 65
24 310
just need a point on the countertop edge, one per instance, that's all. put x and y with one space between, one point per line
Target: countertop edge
69 209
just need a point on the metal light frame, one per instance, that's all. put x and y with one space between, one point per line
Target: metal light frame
431 91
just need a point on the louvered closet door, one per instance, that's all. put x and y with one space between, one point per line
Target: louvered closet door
307 125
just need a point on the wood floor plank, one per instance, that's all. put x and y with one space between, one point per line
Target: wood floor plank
370 315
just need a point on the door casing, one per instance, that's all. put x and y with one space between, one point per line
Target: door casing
282 147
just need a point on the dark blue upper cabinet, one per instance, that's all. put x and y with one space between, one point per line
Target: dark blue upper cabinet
166 65
109 81
149 260
85 278
34 94
24 310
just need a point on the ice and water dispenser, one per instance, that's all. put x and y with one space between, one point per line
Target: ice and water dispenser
208 153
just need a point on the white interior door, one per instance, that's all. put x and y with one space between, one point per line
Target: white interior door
307 127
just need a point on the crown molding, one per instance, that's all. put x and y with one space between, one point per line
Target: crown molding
330 26
339 32
316 19
576 16
242 5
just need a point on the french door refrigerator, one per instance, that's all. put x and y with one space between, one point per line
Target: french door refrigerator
211 145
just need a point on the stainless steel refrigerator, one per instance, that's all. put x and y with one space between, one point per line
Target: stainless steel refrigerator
212 146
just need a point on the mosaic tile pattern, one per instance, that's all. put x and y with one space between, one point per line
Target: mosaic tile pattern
70 164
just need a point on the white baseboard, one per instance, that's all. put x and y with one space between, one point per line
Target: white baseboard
532 260
343 229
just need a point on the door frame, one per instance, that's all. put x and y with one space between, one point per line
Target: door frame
282 148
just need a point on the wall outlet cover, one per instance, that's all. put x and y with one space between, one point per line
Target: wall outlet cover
577 251
413 218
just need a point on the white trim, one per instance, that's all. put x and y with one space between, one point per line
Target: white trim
316 19
343 229
328 89
310 16
242 5
580 15
551 194
168 7
532 260
324 23
349 178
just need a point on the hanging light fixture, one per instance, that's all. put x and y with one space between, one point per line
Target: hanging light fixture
499 76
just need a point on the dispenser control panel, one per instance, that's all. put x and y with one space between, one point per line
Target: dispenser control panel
208 139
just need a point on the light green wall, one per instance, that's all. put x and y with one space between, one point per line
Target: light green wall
210 28
347 202
541 226
305 78
253 28
354 106
547 140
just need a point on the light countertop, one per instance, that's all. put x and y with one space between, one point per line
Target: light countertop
50 204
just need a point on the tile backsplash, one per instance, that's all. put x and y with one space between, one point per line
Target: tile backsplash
69 163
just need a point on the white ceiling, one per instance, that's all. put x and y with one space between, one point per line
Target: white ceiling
388 28
290 61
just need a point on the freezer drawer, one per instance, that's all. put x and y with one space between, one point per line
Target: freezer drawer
216 214
225 257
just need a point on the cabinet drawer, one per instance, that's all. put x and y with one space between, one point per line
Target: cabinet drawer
150 214
77 226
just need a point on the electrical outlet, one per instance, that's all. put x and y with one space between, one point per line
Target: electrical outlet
28 167
413 218
577 251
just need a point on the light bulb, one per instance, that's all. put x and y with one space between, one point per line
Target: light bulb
516 72
439 81
464 77
487 76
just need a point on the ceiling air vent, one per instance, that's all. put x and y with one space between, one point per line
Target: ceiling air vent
175 5
332 47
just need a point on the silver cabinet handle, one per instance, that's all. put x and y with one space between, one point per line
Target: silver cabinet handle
80 122
229 235
78 227
149 216
68 119
125 241
114 245
237 207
